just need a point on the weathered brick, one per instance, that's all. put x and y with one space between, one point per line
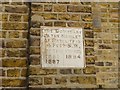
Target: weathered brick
104 5
90 60
75 17
105 47
61 80
13 34
89 51
108 63
37 71
14 62
36 24
48 8
25 18
74 79
114 10
105 15
4 17
2 53
40 71
114 20
87 18
64 2
2 72
62 24
99 63
23 34
23 72
22 53
114 15
3 34
60 8
38 17
35 60
35 32
48 23
16 9
16 53
35 50
108 69
89 43
37 7
65 71
87 25
16 44
64 16
89 34
115 42
36 81
51 71
47 80
13 82
74 24
14 26
35 42
104 10
107 41
86 80
73 8
89 70
114 4
103 20
16 3
49 16
5 3
78 71
13 73
14 17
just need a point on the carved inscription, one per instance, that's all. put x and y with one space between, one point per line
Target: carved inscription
62 47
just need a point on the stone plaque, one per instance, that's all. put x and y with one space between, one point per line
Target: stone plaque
62 47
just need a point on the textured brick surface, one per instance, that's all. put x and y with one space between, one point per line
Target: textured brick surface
100 25
104 42
62 15
14 29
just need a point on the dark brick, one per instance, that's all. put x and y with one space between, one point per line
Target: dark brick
89 34
62 24
36 24
48 8
65 71
72 8
89 51
16 9
37 7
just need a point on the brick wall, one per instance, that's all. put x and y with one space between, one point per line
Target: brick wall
0 47
14 43
106 45
100 24
62 15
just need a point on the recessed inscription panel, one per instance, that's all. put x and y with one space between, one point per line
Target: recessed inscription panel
62 47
